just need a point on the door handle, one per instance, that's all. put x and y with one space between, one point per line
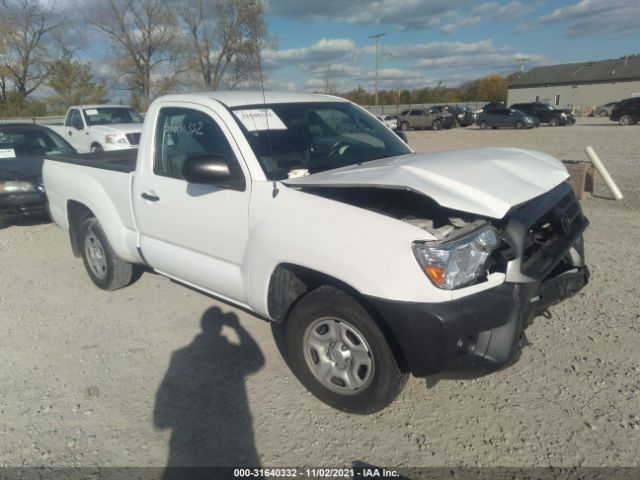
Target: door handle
70 133
150 196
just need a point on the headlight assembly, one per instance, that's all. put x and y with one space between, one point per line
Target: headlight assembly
17 187
458 263
116 138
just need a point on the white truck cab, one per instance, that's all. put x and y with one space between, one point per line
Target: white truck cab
96 128
371 261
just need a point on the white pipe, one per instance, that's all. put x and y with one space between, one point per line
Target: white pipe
595 160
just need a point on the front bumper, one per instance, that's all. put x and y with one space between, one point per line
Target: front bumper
478 332
16 206
544 266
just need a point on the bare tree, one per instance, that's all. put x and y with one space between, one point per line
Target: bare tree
144 35
224 38
29 35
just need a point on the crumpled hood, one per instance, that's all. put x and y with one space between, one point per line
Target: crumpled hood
118 128
486 182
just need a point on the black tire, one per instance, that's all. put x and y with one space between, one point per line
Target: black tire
436 125
519 125
483 125
385 380
404 126
554 121
95 148
110 272
626 119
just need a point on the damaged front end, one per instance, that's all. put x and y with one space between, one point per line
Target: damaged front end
538 248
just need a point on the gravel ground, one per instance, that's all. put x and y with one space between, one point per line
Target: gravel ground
157 373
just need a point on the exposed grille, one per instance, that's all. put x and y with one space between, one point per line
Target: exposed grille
547 237
133 138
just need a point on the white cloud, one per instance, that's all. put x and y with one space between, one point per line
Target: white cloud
319 55
443 49
406 14
488 63
594 17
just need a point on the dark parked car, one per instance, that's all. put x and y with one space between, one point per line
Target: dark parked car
463 115
493 106
22 150
506 118
546 113
627 112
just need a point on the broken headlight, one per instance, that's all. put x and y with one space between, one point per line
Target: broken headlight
457 263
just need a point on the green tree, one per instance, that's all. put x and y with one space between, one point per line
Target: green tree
491 89
29 34
74 85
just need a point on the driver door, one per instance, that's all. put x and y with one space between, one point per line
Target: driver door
194 233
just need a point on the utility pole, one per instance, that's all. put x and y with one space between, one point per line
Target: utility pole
522 60
377 37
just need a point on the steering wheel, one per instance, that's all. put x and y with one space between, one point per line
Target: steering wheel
337 148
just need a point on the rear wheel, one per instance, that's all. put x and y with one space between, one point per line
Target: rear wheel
106 270
338 352
519 125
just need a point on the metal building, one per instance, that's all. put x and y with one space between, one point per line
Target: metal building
581 85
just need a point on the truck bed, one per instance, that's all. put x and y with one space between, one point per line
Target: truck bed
117 160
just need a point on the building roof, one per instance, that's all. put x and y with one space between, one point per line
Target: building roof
581 73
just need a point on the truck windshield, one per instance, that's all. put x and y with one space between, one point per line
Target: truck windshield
111 116
314 136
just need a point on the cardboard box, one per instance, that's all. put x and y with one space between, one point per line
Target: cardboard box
581 177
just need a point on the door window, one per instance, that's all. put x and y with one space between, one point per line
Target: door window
74 120
181 133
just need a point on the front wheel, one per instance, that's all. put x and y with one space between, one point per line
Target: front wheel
554 121
626 120
404 126
106 270
519 125
436 125
338 352
483 125
95 148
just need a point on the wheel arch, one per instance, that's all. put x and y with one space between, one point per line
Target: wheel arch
76 213
289 283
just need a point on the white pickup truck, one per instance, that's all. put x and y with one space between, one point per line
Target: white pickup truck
372 261
96 128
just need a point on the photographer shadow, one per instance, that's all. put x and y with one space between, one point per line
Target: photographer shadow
203 400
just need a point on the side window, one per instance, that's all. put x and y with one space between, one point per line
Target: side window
181 133
416 113
68 122
73 119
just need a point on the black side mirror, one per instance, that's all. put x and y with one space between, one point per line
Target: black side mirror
212 169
